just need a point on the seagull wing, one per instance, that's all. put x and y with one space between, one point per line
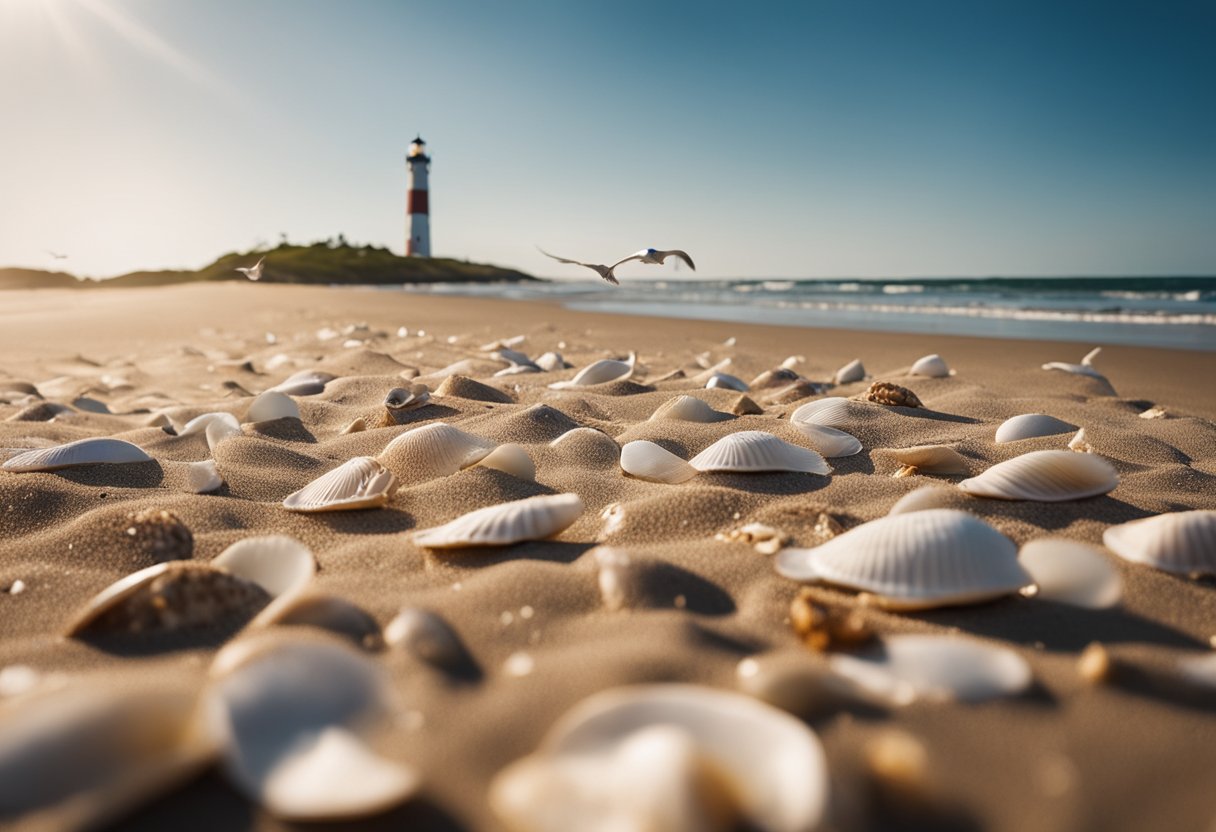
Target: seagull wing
675 252
258 265
637 255
603 271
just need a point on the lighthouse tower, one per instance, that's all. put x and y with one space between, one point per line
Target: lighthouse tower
417 219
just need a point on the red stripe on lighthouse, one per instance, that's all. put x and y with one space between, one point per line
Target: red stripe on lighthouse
416 203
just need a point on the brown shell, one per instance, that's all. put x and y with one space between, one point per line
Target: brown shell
884 392
159 534
744 406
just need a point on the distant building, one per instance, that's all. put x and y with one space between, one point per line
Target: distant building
417 210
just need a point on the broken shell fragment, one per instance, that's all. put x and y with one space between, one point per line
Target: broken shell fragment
358 483
929 459
534 518
650 461
1045 476
203 477
1085 368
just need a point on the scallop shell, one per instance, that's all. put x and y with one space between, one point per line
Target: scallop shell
936 668
601 372
1181 542
1030 425
200 424
80 452
272 405
1085 368
1071 572
832 412
1045 476
361 482
670 757
534 518
919 560
929 459
932 366
649 461
756 450
853 371
511 459
929 496
550 361
432 451
830 442
304 383
202 477
725 381
401 399
426 636
688 409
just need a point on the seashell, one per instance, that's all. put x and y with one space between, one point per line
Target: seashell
291 721
361 482
792 361
326 612
601 372
80 452
551 361
908 668
220 429
797 683
401 399
1085 368
304 383
756 450
778 377
801 389
272 405
929 496
514 357
159 534
462 387
892 395
1181 542
513 341
1046 477
1199 670
517 369
199 424
670 757
1096 665
765 539
671 375
1071 573
725 381
357 426
688 409
426 636
279 564
853 371
830 442
1030 425
744 406
929 459
827 628
432 451
832 412
1080 444
90 405
932 366
709 370
534 518
1155 412
511 459
590 447
649 461
920 560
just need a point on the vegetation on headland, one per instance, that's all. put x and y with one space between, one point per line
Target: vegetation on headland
326 262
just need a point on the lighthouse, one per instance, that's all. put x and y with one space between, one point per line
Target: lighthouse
417 213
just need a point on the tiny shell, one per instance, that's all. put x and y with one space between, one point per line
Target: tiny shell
932 366
853 371
534 518
401 399
511 459
425 635
601 372
1181 542
80 452
551 361
649 461
272 405
1071 572
1030 425
358 483
432 451
1045 476
1155 412
202 477
688 409
832 412
830 442
779 377
727 382
754 451
220 429
929 459
892 395
1080 443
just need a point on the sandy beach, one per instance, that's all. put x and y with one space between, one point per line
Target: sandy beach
1133 750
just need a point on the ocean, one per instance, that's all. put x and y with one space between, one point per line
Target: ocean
1175 312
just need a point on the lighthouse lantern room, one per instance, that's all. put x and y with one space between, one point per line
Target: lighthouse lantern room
417 211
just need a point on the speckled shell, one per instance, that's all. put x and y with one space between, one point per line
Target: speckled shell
358 483
80 452
755 451
1045 476
650 461
1030 425
1182 542
535 518
931 366
688 409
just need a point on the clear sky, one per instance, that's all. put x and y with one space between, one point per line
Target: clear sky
847 138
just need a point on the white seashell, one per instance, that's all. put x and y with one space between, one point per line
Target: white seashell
929 459
929 496
756 450
279 564
401 399
534 518
678 758
432 451
725 381
709 370
361 482
1080 444
830 442
551 361
1071 572
304 383
272 405
510 356
1155 412
1030 425
202 477
649 461
918 560
220 429
853 371
601 372
511 459
688 409
932 366
199 424
1085 368
1199 670
1181 542
832 412
513 341
1045 476
935 668
286 718
517 369
426 636
80 452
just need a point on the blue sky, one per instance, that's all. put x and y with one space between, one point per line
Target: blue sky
845 138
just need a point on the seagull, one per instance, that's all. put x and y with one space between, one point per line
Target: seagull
254 273
600 269
646 255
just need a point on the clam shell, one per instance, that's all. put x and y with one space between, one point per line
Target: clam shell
830 442
1030 425
1181 542
202 477
670 757
853 371
778 377
600 372
272 405
930 459
432 451
649 461
281 565
517 369
936 668
401 399
511 459
932 366
1045 476
551 361
220 429
756 450
1071 572
929 496
361 482
688 409
199 424
304 383
725 381
80 452
534 518
919 560
1085 368
426 636
832 412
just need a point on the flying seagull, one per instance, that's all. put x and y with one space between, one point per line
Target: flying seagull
647 255
254 273
600 269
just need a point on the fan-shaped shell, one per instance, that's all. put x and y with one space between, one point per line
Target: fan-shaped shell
432 451
688 409
80 452
1182 542
500 525
425 635
304 383
279 564
1030 425
272 405
832 412
930 459
756 450
202 477
853 371
725 381
361 482
830 442
511 459
924 559
600 372
1045 476
1071 572
649 461
932 366
200 424
670 757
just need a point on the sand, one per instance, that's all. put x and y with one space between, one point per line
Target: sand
1135 753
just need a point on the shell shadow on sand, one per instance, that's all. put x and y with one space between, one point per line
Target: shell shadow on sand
130 475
